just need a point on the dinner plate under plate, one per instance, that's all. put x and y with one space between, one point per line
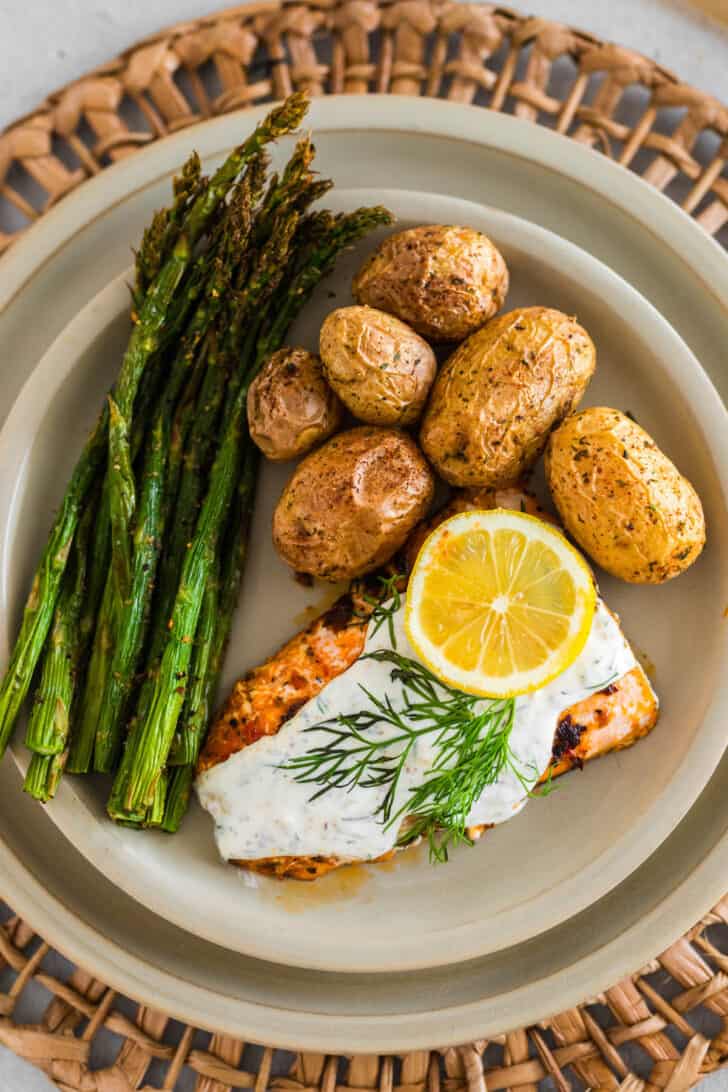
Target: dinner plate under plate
517 167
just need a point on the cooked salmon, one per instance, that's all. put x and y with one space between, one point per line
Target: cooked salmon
269 695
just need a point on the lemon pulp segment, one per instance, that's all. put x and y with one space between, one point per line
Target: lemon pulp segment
499 602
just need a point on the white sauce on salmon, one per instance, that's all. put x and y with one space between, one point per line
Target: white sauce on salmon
260 810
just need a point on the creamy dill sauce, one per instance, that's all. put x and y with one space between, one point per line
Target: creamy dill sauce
260 810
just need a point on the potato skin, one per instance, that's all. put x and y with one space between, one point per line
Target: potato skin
380 368
445 281
621 499
291 407
351 504
497 398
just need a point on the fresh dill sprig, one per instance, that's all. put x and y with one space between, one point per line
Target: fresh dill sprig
470 738
471 756
384 606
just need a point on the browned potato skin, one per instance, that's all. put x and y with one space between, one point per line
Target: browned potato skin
351 504
445 281
379 367
291 407
499 395
621 499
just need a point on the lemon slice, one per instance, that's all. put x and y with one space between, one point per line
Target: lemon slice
498 603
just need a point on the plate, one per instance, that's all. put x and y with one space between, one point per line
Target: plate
514 166
580 842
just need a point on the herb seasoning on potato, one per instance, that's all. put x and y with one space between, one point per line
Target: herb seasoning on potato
444 281
291 407
351 504
621 498
381 369
499 395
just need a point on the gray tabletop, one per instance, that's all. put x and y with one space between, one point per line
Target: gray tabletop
46 43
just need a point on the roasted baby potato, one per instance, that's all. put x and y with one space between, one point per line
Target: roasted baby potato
380 368
351 504
291 407
621 498
444 281
499 395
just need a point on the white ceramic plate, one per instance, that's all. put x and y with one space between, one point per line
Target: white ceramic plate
516 167
578 844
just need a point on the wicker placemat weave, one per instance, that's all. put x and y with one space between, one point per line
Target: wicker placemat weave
642 1032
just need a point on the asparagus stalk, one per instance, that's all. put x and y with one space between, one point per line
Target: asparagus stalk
288 189
154 816
235 550
151 816
196 708
218 607
98 566
120 490
59 686
179 790
116 806
48 728
43 775
161 235
182 423
143 343
44 592
133 610
122 503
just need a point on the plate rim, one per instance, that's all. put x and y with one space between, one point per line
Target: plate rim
554 153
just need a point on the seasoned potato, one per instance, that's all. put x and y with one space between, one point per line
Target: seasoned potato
444 281
622 499
351 504
380 368
291 407
498 396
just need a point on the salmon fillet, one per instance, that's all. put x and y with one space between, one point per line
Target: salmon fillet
269 695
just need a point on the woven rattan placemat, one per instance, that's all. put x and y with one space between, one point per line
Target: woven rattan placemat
641 1032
